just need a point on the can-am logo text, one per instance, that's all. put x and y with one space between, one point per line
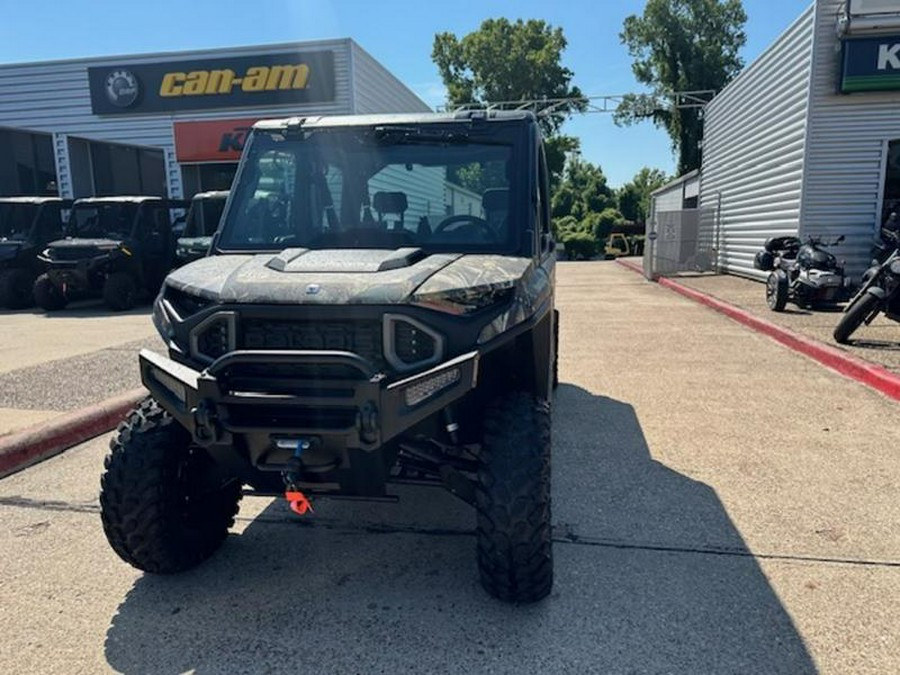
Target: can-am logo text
225 80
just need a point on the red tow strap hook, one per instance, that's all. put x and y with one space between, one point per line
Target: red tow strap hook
298 502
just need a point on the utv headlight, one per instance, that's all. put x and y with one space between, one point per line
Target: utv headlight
161 319
467 300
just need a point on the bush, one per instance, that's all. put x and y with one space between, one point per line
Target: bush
580 245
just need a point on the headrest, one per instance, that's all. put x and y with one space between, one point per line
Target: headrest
389 202
495 199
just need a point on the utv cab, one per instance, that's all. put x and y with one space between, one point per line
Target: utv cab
202 222
117 248
26 225
377 311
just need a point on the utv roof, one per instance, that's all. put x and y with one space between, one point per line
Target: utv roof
32 200
406 118
211 194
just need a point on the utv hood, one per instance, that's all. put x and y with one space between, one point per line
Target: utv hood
341 276
83 247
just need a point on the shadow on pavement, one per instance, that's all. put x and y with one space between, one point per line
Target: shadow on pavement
393 588
82 309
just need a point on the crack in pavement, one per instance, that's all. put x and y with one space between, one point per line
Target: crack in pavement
562 534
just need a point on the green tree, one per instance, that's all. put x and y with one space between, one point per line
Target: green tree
511 61
634 196
582 190
679 46
603 223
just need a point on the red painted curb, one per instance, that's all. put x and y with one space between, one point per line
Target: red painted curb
29 446
634 267
872 375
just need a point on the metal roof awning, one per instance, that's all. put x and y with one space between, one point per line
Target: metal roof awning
869 16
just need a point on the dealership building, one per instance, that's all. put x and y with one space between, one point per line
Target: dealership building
805 141
171 124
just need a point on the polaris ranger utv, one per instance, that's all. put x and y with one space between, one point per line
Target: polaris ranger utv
202 222
377 310
119 248
26 225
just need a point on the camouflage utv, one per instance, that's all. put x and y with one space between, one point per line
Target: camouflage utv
377 310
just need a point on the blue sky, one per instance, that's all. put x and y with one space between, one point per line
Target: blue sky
398 33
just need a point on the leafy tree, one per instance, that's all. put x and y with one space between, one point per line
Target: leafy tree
602 224
511 61
583 190
634 196
678 46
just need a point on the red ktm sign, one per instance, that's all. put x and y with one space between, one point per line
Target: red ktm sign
211 140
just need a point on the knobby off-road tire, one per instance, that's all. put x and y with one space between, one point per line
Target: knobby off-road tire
47 295
856 314
154 515
120 292
515 557
16 289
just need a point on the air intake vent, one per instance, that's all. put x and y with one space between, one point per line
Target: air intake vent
214 337
411 344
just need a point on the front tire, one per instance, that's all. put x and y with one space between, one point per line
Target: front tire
160 511
119 292
16 289
515 556
777 290
48 295
856 314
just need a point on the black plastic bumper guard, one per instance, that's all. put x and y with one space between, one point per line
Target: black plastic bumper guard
202 401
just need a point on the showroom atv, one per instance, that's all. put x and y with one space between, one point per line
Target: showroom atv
803 273
202 222
377 310
880 294
26 225
118 248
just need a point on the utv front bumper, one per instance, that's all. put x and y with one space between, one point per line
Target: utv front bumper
335 397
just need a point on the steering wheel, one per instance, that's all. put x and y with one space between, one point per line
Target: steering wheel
481 223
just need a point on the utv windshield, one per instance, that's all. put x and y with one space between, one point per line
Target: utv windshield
384 187
102 221
16 221
204 216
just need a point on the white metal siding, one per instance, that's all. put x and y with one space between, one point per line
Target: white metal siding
753 148
847 135
669 200
376 90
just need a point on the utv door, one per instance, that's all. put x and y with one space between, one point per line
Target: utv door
156 245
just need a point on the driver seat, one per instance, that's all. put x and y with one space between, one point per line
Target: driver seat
390 202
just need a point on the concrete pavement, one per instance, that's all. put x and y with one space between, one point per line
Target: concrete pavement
57 362
720 505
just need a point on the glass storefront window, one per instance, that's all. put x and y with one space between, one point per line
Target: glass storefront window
26 164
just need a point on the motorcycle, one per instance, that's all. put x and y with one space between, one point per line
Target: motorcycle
880 293
803 273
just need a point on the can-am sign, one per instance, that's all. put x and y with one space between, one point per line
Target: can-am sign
265 79
871 64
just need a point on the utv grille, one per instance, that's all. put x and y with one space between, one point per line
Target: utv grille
362 337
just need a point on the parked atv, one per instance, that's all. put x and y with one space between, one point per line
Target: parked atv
805 274
202 222
119 248
26 225
319 351
880 293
